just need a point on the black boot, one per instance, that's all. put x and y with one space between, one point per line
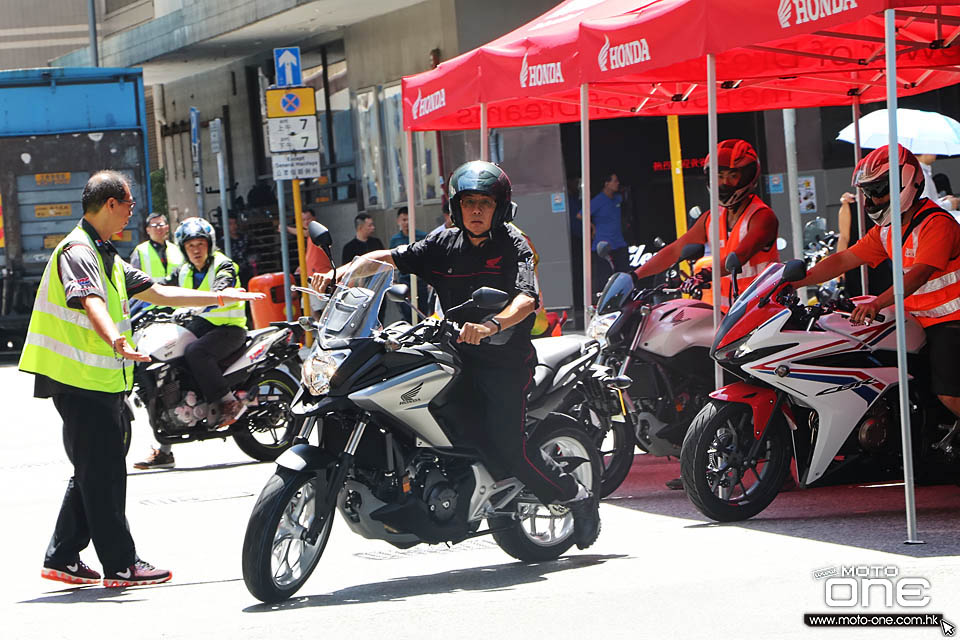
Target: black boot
586 520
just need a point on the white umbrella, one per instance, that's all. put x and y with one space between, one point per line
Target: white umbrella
918 131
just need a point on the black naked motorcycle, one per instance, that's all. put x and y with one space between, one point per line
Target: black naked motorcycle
393 451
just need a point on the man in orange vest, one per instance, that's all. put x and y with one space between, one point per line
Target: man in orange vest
748 227
931 263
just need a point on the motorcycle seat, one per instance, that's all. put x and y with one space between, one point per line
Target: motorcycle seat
251 337
552 353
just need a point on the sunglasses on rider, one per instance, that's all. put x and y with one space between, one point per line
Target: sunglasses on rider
876 189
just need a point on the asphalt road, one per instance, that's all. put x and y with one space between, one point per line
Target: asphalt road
659 570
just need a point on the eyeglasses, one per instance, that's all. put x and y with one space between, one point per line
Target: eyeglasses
132 203
157 225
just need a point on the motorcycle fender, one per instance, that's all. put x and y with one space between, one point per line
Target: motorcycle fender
305 457
760 399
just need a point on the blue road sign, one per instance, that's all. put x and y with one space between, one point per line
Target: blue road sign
286 61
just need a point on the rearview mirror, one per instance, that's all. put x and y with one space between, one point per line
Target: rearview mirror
732 264
692 252
490 298
320 235
603 249
794 271
398 293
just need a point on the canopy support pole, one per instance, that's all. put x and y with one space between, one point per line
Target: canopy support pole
896 230
585 196
411 224
861 214
676 164
793 186
484 134
714 202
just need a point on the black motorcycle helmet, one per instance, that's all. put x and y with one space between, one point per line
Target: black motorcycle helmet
486 178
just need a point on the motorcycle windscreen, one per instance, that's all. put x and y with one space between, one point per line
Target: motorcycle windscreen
615 294
758 288
353 311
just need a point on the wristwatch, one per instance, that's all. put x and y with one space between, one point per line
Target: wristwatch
497 322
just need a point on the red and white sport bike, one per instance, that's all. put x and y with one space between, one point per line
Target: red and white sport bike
816 388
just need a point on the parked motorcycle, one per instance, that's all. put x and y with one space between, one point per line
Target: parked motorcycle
262 373
394 453
818 243
816 388
660 343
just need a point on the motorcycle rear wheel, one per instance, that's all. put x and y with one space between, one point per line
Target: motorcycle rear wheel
615 445
266 430
276 560
539 533
718 479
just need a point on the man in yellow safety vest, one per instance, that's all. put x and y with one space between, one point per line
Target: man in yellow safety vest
79 347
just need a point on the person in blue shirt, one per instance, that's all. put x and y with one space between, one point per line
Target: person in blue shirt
401 237
606 226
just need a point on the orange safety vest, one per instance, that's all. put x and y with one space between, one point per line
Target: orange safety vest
729 243
939 299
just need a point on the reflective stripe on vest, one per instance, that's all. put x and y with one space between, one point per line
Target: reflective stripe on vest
151 264
757 262
234 313
62 343
938 300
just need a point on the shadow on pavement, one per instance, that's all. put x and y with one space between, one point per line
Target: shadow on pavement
96 593
209 467
490 578
868 516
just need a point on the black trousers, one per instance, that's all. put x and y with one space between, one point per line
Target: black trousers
502 394
94 506
203 356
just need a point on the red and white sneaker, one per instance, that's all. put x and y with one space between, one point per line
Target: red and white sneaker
135 575
75 572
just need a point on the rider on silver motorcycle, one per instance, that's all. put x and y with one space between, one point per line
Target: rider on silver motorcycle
483 250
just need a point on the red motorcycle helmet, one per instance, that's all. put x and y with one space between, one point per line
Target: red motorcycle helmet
736 154
872 176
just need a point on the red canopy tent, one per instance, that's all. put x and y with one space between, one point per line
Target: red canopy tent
648 58
692 57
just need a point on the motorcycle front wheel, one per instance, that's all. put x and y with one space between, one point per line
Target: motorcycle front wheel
277 560
615 443
720 477
537 532
266 429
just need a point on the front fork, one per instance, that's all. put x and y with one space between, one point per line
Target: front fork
326 501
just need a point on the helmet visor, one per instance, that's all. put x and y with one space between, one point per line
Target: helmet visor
877 188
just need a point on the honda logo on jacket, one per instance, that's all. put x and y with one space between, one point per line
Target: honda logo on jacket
623 55
540 74
810 10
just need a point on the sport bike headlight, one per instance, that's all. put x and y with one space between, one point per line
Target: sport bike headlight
735 350
319 368
600 325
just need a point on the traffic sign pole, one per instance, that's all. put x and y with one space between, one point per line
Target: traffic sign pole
197 157
284 249
217 148
301 245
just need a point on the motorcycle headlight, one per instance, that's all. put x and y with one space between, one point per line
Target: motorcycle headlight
600 325
734 351
318 370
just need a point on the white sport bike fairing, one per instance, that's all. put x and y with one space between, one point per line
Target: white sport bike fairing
816 388
395 454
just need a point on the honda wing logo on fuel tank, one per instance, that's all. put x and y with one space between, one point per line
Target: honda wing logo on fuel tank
411 396
811 10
